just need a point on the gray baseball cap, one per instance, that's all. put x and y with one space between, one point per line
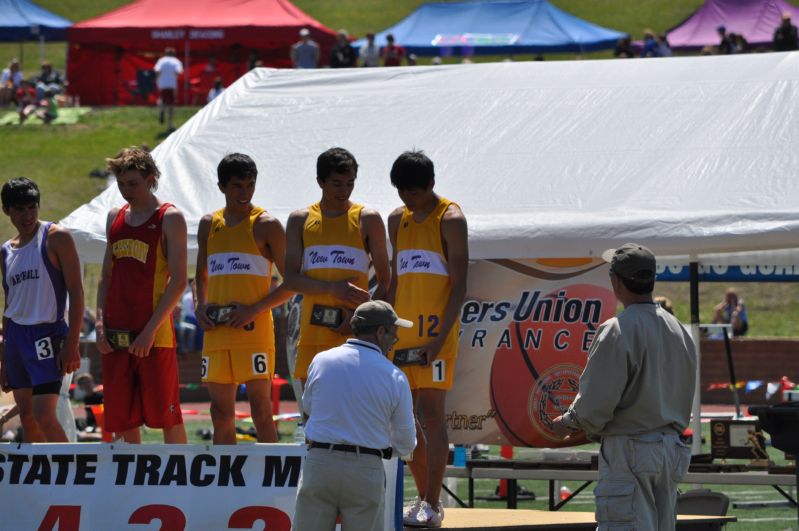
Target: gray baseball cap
377 313
632 261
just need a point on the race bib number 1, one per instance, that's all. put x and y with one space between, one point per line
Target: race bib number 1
439 371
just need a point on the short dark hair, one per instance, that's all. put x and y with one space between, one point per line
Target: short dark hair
335 160
638 286
20 191
235 165
412 169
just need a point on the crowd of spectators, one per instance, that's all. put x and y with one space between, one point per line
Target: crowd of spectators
32 96
657 45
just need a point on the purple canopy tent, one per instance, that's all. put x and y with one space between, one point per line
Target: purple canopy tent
756 20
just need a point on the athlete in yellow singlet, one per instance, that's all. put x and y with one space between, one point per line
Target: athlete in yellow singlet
329 248
428 284
238 245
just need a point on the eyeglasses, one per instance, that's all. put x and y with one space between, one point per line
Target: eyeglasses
393 334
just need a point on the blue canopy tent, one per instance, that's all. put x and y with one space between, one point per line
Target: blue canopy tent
21 20
492 27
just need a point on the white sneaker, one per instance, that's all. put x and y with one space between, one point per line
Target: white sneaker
410 512
429 516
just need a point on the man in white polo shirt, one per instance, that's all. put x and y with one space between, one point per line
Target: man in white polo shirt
360 410
168 68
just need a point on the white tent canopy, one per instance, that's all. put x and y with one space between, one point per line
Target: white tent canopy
690 156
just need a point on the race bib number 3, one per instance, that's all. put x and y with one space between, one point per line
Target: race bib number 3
45 349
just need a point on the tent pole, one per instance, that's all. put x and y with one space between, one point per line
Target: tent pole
41 49
186 75
696 409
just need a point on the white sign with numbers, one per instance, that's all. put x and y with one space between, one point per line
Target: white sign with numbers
82 487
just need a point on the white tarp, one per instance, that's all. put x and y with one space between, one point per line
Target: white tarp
547 159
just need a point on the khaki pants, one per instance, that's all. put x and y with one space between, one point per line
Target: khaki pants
637 481
343 483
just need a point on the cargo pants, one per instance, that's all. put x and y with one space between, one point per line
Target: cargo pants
637 481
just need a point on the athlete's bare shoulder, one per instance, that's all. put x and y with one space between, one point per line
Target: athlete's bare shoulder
396 213
58 235
301 214
370 215
454 212
266 218
266 223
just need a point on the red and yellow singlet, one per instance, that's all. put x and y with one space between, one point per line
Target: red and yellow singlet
139 275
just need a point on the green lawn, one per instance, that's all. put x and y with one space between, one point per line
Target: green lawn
60 158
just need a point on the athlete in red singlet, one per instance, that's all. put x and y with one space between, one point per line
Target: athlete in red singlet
143 277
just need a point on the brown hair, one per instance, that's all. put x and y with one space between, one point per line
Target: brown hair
134 158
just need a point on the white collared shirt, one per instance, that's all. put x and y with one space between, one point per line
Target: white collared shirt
355 395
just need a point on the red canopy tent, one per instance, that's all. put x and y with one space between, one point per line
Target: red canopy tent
111 56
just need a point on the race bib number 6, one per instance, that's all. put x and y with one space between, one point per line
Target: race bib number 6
259 363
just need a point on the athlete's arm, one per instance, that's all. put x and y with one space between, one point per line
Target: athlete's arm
454 235
102 287
3 375
271 241
375 243
63 254
174 236
201 273
344 290
393 227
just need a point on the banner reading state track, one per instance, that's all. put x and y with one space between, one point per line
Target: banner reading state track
83 487
526 328
72 487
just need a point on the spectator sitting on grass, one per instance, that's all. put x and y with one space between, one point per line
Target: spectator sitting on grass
10 81
785 36
46 109
25 95
216 90
664 48
624 49
48 79
732 311
651 48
